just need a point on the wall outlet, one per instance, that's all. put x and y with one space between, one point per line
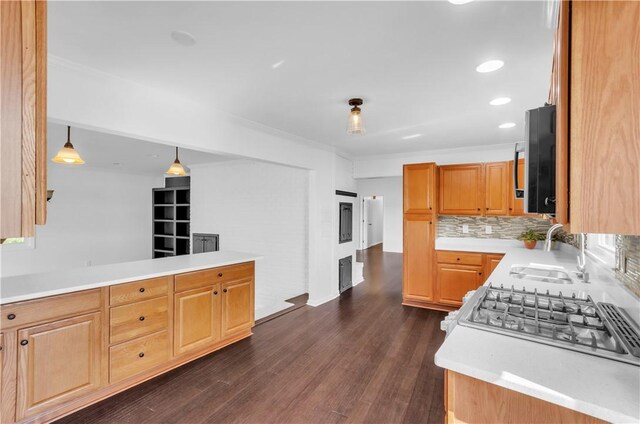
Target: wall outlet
487 229
465 229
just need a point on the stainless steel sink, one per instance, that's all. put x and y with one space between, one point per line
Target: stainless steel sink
540 272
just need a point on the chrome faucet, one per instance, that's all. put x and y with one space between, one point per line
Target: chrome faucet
582 273
547 241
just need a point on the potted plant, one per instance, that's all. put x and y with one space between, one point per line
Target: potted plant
531 238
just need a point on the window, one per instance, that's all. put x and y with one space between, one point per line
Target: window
602 247
346 222
17 243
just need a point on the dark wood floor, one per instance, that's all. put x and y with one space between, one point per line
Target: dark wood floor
362 358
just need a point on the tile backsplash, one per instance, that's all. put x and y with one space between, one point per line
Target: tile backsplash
629 247
501 227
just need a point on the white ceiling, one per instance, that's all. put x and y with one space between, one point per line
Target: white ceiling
122 154
412 62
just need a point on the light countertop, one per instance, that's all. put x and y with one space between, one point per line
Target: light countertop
479 245
33 286
603 388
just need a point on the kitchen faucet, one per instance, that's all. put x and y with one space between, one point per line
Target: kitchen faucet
582 273
547 241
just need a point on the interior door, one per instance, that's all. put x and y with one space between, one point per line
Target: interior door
57 361
237 306
197 318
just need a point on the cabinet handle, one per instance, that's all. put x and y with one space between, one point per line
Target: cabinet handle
141 318
141 289
0 348
11 316
24 342
215 292
141 354
225 290
457 259
479 273
219 274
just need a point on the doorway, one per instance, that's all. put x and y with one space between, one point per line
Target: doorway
372 219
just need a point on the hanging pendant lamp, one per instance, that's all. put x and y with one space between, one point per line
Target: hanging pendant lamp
176 169
68 155
355 125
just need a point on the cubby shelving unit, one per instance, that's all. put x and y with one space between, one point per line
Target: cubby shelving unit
171 218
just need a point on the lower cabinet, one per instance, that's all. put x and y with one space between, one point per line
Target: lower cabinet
237 306
197 319
418 259
57 362
139 355
490 263
454 281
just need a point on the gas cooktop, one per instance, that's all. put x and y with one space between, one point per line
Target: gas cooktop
570 322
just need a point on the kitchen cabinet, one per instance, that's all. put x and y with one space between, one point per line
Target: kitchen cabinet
57 361
595 89
516 206
458 273
461 189
496 184
23 154
197 318
491 262
418 183
237 306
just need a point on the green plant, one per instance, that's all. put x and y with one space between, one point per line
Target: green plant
531 235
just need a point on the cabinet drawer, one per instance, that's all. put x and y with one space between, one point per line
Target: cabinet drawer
136 319
138 290
136 356
463 258
22 314
208 277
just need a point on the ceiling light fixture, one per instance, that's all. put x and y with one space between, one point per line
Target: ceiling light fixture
499 101
176 168
277 64
68 155
489 66
409 137
183 38
507 125
356 125
459 2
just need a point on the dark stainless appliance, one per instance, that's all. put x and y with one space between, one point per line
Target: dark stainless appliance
539 161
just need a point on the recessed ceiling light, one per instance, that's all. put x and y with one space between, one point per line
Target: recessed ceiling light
183 38
409 137
458 2
152 155
489 66
498 101
277 64
507 125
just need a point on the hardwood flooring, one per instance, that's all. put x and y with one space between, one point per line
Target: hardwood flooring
362 358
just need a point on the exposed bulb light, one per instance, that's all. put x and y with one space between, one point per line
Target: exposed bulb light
499 101
176 169
356 125
459 2
489 66
507 125
68 155
409 137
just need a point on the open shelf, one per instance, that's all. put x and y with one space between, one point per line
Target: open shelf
171 218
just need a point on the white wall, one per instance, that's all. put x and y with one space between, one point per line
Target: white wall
261 208
391 190
97 216
343 171
374 220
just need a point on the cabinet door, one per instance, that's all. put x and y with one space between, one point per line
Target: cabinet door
461 189
237 306
418 258
197 318
491 262
57 362
496 200
516 206
454 281
419 188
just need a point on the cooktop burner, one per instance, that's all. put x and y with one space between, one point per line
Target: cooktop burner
570 322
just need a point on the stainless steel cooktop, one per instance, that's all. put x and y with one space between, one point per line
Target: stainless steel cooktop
570 322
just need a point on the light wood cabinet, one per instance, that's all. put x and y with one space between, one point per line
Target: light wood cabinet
237 306
491 262
197 318
419 239
496 188
461 189
418 183
460 272
138 355
23 76
57 361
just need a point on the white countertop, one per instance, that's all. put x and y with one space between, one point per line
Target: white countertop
33 286
479 245
603 388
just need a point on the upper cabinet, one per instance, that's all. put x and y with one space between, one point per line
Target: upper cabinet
461 189
496 184
596 91
419 183
23 158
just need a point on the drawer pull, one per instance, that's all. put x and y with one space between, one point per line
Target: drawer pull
215 292
11 316
141 318
457 259
141 289
24 342
141 354
479 273
219 274
225 290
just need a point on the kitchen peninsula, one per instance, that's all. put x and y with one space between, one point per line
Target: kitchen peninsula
70 338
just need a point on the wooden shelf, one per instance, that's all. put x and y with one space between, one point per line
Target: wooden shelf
171 213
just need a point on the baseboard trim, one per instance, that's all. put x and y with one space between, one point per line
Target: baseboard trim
314 303
428 305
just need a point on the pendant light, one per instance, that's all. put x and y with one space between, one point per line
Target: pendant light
356 125
68 155
176 168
